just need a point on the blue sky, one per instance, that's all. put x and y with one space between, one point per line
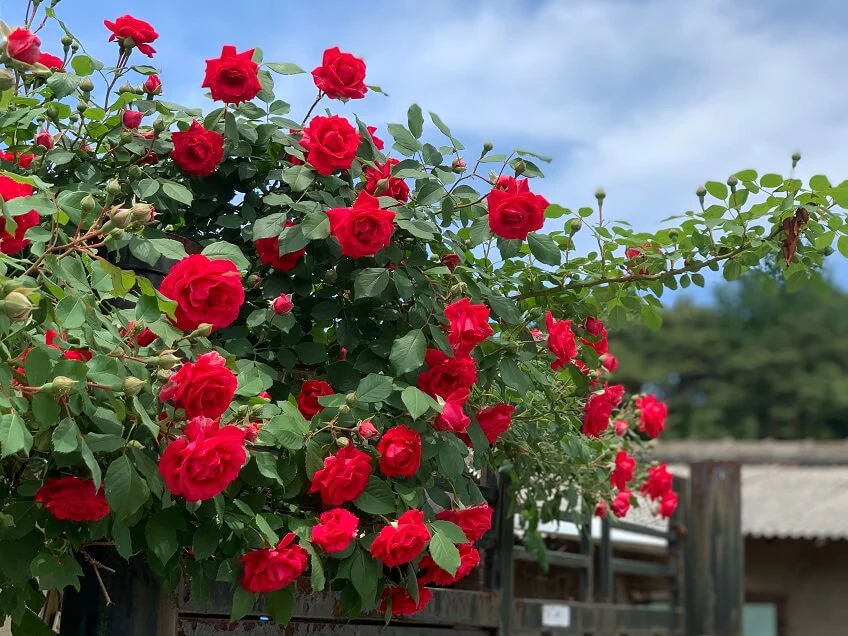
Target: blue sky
647 98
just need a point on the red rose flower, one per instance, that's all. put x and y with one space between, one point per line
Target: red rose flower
129 28
204 462
45 140
495 420
335 530
601 510
73 499
609 362
251 431
23 45
269 570
143 339
82 355
282 304
561 341
23 159
232 78
205 290
637 258
668 504
402 541
621 504
468 325
197 151
402 604
446 375
341 75
152 84
343 477
367 430
131 119
380 182
451 261
515 211
599 409
14 243
202 388
469 558
51 61
598 341
652 417
379 144
622 474
615 393
474 521
307 400
659 482
621 427
364 229
453 417
400 452
269 253
331 143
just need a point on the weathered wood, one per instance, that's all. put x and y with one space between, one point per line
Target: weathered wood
714 591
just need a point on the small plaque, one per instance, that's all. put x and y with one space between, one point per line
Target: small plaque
556 616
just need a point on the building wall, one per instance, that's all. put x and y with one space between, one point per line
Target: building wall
808 579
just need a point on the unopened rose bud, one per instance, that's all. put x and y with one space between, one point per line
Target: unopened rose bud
350 399
251 431
134 172
152 85
341 442
134 443
202 331
732 181
382 184
451 261
256 409
17 306
253 281
66 40
342 354
701 192
487 147
344 409
167 360
600 194
126 136
62 385
265 396
88 204
74 47
282 304
138 89
458 166
7 80
796 157
44 139
122 219
673 234
83 106
125 88
86 85
163 375
331 276
520 167
159 125
131 119
113 188
575 225
243 411
621 427
142 213
132 385
52 111
367 430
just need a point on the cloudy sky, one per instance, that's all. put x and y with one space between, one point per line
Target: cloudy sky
647 98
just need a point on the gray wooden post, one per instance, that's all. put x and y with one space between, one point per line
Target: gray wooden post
505 557
715 560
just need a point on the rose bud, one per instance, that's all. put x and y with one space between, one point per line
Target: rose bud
621 427
367 430
132 118
132 385
122 219
282 304
7 79
342 354
17 306
61 385
609 361
450 261
251 431
458 166
44 139
142 213
152 85
265 395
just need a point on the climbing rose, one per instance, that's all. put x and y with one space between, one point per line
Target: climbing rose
269 253
453 417
232 78
12 243
469 558
474 521
204 462
495 420
468 325
143 339
402 603
599 409
379 144
400 542
335 530
51 61
514 211
446 375
152 84
561 341
621 504
609 362
205 290
364 229
621 427
23 45
202 388
598 341
341 75
23 159
83 355
282 304
668 504
625 465
140 32
451 261
367 430
652 417
659 482
331 143
307 399
131 118
269 570
601 510
73 499
380 182
197 151
400 452
45 140
637 258
343 476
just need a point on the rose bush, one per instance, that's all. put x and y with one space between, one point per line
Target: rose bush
362 329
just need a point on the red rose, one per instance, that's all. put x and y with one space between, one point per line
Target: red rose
601 510
380 182
251 431
400 542
22 45
45 140
468 325
331 143
282 304
197 151
143 339
446 375
129 28
637 258
152 84
51 61
343 477
378 143
341 75
73 499
598 341
668 504
623 471
307 400
24 160
615 393
453 417
515 211
598 411
469 558
621 427
335 530
367 430
402 604
131 119
204 462
495 420
609 362
269 253
400 452
659 482
451 261
202 388
83 355
205 290
364 229
621 504
474 521
652 417
232 78
14 243
270 570
561 341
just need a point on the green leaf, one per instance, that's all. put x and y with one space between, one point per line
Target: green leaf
227 251
417 402
161 535
38 367
84 65
280 605
299 178
364 577
407 352
374 388
66 436
370 282
63 84
514 377
444 553
450 530
716 189
285 68
480 232
169 248
146 188
771 180
288 429
177 192
14 435
505 309
405 141
651 318
416 120
56 571
205 541
70 312
544 248
243 603
90 463
316 226
377 499
841 245
819 182
126 491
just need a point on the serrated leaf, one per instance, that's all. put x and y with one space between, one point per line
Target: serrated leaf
452 531
280 605
416 120
408 351
374 388
14 435
177 192
444 553
377 499
417 402
544 248
370 282
66 436
227 251
126 491
284 68
70 312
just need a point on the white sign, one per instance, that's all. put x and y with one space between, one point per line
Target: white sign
556 616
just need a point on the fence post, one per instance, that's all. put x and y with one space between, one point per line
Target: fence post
505 556
715 574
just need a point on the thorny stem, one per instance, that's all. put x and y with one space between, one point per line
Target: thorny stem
311 108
